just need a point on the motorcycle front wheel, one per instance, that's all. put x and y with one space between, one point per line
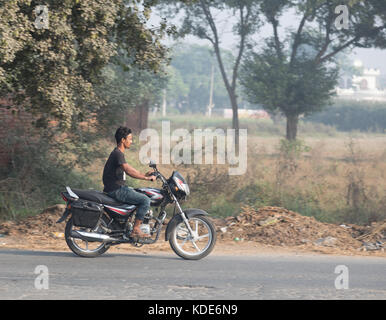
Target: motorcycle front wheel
198 245
81 247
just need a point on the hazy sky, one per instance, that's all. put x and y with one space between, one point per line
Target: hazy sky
371 58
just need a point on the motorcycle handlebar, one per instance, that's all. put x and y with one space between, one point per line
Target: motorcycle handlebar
163 179
159 175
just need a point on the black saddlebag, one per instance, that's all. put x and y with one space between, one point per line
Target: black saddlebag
86 213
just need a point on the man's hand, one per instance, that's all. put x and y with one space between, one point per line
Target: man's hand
150 176
149 173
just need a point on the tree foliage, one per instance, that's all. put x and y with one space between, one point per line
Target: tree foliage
190 78
124 89
52 72
301 88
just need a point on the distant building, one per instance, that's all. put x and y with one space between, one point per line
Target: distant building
363 87
368 81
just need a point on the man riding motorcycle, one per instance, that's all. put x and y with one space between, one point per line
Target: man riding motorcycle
114 176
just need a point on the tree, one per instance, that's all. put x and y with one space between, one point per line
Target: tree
300 89
177 90
295 74
52 71
127 93
199 19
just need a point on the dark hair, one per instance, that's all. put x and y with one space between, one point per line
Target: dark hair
122 132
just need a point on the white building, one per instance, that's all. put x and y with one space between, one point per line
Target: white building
363 87
367 81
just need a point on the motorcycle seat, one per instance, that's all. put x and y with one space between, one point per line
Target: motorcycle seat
100 197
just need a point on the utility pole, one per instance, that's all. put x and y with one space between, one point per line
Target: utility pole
164 103
211 105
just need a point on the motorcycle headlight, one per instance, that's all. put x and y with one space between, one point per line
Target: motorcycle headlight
182 186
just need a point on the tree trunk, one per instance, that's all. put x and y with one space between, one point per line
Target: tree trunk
231 87
144 115
136 119
235 118
292 127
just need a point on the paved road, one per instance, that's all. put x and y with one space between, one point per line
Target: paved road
153 276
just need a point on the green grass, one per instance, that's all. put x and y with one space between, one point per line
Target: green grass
259 127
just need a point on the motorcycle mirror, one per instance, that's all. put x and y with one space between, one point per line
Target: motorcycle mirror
152 164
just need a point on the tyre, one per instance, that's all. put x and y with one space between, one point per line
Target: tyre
198 246
81 247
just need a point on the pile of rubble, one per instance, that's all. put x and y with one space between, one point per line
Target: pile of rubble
43 224
281 227
273 226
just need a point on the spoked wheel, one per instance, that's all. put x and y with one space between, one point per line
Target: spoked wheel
83 248
198 245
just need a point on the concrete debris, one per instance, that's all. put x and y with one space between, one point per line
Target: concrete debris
282 227
327 242
368 246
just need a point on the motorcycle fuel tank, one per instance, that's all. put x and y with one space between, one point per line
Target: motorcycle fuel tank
154 194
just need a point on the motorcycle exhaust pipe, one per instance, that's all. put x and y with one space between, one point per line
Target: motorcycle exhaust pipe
91 236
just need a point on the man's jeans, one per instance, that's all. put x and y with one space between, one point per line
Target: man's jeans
130 196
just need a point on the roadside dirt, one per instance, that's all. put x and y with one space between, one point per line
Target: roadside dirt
266 230
276 227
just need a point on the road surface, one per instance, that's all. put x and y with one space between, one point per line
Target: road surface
62 275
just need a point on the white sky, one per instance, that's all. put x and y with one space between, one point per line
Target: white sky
371 58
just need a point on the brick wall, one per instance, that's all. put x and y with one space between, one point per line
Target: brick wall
10 119
137 119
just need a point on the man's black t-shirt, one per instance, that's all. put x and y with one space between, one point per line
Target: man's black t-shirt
113 175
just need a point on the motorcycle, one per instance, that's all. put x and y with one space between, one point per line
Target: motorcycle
98 221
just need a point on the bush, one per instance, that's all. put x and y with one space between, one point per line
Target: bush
353 115
221 207
258 194
35 177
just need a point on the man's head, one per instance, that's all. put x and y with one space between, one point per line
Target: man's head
123 135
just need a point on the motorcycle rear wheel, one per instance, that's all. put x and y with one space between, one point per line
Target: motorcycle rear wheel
76 245
193 248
